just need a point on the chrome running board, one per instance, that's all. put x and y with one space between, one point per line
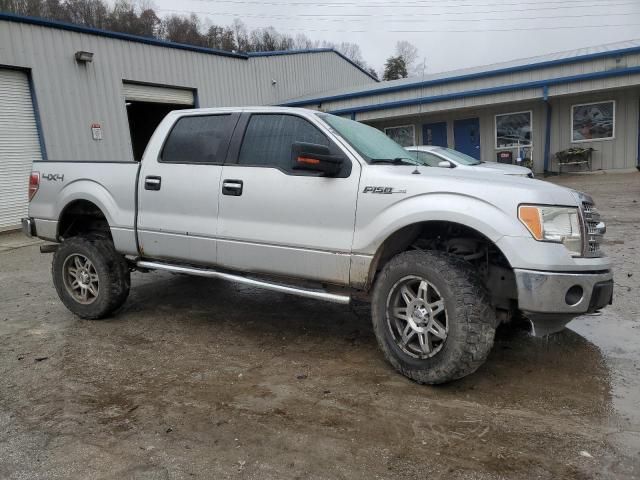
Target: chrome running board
276 287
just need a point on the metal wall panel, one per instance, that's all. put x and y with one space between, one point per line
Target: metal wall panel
619 152
558 71
73 96
19 146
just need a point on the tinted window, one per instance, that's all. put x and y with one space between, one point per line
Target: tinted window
268 140
198 139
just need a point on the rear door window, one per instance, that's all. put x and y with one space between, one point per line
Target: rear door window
199 139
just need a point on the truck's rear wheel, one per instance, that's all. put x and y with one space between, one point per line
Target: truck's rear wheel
91 278
432 316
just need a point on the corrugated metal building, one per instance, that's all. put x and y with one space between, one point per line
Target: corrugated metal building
532 108
74 93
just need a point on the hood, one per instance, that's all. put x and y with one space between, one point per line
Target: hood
505 168
505 192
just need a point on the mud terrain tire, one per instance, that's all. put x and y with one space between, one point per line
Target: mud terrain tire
106 268
470 320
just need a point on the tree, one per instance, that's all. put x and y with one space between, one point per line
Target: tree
372 71
221 38
183 30
409 53
92 13
137 17
241 37
124 18
395 68
302 42
149 23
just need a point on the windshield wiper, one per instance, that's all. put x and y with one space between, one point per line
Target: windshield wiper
394 161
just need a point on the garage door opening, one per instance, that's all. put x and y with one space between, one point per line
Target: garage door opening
147 105
144 117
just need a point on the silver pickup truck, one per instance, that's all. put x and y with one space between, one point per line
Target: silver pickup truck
311 204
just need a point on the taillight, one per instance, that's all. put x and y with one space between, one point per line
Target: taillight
34 184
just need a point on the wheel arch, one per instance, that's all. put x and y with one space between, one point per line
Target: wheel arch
404 237
81 216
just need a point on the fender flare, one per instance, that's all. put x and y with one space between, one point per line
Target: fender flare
89 191
476 214
469 211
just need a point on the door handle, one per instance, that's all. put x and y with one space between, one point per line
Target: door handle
232 187
152 182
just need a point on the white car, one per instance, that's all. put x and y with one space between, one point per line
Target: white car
448 158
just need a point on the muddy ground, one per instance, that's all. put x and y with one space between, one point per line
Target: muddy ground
196 378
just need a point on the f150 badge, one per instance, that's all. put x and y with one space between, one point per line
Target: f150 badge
53 177
382 190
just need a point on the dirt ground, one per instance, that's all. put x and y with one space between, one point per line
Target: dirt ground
197 378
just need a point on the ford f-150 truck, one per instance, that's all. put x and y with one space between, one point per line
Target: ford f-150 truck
312 204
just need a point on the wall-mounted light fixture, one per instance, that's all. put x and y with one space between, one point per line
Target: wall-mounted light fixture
84 57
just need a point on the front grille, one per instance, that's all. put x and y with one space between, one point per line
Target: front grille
593 236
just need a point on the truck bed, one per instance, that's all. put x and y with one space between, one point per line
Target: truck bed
111 186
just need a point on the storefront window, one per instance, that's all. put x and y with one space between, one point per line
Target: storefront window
513 129
593 121
405 135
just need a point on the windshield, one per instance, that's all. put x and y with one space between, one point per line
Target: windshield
456 156
369 142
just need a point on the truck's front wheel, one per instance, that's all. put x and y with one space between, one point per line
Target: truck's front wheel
91 278
432 316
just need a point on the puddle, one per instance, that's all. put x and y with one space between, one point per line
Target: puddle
618 340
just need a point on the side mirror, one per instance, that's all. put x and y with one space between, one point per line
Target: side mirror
315 158
445 164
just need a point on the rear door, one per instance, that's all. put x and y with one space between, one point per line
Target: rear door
178 189
276 220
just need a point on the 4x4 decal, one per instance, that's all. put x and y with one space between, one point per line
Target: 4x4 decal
53 177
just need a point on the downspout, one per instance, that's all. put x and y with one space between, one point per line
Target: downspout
638 159
547 134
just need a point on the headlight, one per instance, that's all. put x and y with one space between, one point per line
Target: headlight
553 224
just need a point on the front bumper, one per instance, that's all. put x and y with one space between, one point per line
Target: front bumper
550 300
562 292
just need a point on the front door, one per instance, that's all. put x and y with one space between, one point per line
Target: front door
466 135
276 220
178 190
435 134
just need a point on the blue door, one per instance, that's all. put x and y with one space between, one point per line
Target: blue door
435 134
466 134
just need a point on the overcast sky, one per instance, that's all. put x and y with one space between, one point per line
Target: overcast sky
450 34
